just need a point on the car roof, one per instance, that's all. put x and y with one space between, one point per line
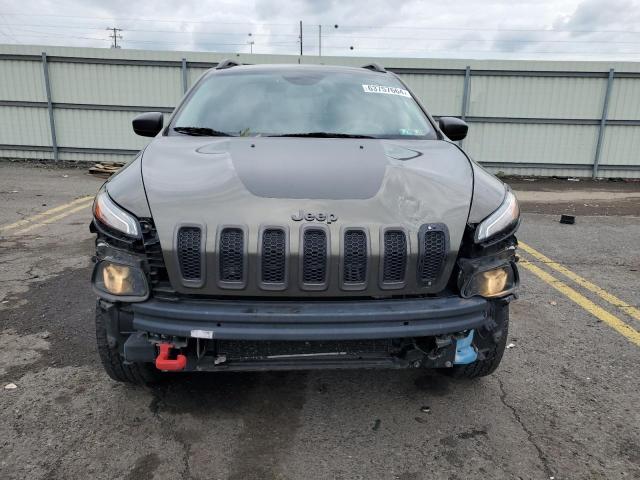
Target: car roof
284 68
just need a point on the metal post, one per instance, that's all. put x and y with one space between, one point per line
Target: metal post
603 122
465 95
300 37
319 40
184 75
465 92
52 122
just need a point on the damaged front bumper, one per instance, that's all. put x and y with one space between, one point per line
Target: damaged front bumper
200 335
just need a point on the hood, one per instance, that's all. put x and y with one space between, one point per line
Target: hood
256 182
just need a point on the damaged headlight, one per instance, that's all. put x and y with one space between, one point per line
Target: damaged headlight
504 218
111 215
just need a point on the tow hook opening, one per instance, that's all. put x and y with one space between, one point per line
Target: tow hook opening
167 364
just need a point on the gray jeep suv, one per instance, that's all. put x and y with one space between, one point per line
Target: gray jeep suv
301 217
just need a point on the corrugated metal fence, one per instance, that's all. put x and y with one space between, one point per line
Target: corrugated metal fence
533 118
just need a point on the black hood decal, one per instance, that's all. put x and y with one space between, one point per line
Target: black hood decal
311 168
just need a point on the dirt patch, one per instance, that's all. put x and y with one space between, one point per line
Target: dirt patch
18 350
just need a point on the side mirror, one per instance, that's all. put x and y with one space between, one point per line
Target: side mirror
454 128
148 124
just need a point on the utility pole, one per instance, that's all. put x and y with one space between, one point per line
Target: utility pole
115 36
301 38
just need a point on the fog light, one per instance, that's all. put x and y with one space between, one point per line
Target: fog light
120 280
491 283
117 279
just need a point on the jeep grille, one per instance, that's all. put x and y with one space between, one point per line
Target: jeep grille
314 256
274 256
433 250
189 253
395 257
355 256
391 258
232 255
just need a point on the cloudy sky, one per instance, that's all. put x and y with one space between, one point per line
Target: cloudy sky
539 29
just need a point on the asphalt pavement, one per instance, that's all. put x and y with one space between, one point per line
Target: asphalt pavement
563 404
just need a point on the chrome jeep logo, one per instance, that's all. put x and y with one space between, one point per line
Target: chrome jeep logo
311 216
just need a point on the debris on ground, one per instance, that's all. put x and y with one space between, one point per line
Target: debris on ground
425 409
567 219
10 386
553 302
105 169
573 179
511 345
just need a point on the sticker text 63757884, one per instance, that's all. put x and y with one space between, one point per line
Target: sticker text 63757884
387 90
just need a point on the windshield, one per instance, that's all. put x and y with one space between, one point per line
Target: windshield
302 103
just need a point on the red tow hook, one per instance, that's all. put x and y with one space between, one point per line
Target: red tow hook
163 362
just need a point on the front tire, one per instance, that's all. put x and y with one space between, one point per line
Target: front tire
490 344
113 362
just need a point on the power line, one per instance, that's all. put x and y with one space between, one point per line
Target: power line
500 29
345 47
150 41
182 32
351 37
292 25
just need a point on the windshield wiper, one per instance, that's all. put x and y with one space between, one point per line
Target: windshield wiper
201 132
322 135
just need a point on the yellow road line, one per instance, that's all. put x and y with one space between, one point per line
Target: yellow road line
601 292
44 214
55 218
614 322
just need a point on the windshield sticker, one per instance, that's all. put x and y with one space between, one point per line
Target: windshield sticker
412 132
387 90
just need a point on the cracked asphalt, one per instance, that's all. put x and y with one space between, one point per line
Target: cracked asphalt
563 404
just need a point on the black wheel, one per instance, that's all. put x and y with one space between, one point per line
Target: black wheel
490 344
112 360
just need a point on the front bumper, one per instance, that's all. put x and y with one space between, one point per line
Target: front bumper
309 320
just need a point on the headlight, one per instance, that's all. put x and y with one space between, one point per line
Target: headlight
491 283
120 280
506 216
105 210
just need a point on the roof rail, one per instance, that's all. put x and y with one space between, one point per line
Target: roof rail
375 67
227 63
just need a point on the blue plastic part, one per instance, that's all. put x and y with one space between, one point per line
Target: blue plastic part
465 353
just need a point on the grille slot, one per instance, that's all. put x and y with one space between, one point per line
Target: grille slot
189 252
314 256
433 250
274 256
394 264
231 255
355 256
